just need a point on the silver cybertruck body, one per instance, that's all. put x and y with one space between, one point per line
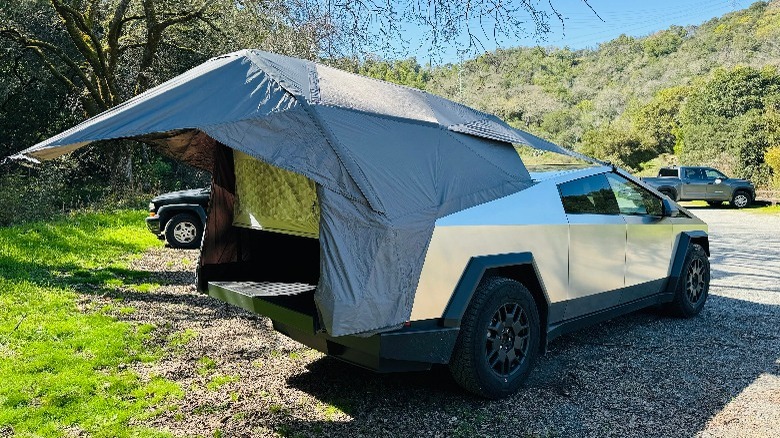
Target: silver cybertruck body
502 279
395 229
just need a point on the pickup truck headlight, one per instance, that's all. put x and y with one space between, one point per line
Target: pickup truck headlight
151 206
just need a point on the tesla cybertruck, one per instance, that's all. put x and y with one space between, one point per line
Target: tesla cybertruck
395 229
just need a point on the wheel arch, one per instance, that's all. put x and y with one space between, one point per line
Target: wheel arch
684 240
166 212
670 189
751 194
520 267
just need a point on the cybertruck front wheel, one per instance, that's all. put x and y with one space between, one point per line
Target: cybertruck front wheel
694 286
498 340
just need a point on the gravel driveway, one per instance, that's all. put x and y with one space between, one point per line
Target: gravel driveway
640 375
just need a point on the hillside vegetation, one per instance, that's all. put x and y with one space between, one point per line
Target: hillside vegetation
706 94
698 94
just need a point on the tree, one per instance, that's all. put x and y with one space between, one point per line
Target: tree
658 121
731 118
617 144
772 159
102 52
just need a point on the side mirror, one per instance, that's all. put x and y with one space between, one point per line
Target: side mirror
670 209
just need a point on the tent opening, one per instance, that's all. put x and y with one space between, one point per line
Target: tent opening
262 232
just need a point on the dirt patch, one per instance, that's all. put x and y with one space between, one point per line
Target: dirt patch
644 374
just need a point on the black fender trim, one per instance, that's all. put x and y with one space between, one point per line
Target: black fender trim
472 275
168 211
681 246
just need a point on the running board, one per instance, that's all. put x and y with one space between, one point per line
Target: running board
292 303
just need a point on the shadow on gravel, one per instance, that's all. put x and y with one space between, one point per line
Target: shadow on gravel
640 375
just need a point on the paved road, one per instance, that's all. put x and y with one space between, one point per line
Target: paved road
641 375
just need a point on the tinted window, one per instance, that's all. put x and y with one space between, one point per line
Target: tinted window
668 172
633 199
693 173
713 174
591 195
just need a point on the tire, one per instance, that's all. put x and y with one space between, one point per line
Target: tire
498 341
741 199
694 286
184 231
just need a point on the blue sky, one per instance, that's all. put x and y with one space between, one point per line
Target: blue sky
582 28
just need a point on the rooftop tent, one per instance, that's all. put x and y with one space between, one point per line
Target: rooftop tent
306 150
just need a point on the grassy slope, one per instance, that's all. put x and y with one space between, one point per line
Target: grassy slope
64 369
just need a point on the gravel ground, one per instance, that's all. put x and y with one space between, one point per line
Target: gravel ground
644 374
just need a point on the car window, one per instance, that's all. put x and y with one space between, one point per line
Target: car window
667 172
591 195
713 174
633 199
692 173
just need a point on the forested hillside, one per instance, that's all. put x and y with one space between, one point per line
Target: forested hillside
707 94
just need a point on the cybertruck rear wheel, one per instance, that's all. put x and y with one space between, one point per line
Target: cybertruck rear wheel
694 286
498 340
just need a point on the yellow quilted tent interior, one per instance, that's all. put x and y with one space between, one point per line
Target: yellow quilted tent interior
274 199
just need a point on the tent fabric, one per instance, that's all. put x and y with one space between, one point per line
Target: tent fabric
386 162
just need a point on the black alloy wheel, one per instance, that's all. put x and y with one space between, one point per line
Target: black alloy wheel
499 339
507 339
693 288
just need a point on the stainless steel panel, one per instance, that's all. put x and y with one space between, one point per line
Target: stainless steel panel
597 255
533 221
536 205
648 249
452 247
528 221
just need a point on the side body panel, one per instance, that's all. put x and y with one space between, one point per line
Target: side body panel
649 242
528 221
597 252
719 191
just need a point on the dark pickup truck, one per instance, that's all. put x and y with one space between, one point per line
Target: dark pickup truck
695 183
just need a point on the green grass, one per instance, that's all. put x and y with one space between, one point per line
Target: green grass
219 381
63 369
206 365
766 209
769 209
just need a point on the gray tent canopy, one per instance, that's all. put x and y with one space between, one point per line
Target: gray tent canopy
381 161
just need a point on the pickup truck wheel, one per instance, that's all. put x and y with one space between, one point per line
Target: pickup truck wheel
183 231
693 287
668 193
741 199
498 340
